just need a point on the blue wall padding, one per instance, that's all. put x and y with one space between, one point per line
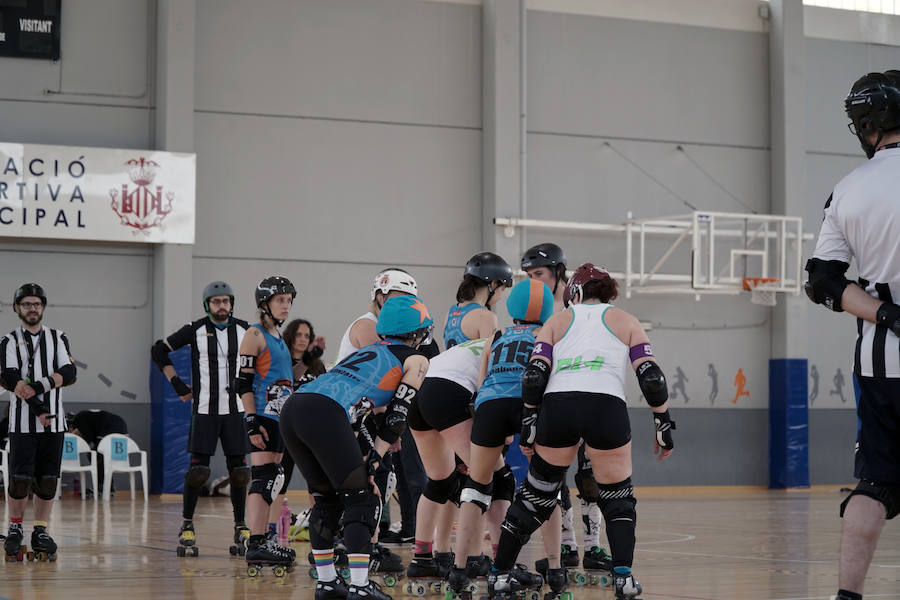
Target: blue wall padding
170 426
788 423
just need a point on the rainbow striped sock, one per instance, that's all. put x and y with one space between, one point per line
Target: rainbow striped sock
359 569
325 564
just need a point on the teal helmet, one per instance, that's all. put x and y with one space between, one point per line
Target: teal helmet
530 301
402 315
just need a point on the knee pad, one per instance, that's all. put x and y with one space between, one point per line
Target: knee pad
886 493
540 489
264 477
478 494
239 476
587 486
196 476
363 507
19 486
504 484
325 515
442 490
45 487
617 501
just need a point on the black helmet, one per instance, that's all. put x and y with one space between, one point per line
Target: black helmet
272 286
217 288
543 255
873 106
30 289
488 267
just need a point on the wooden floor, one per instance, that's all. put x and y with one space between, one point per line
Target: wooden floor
693 543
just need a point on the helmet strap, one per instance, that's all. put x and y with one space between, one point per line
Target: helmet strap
870 149
269 314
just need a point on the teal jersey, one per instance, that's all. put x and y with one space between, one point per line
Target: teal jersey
274 376
509 357
453 333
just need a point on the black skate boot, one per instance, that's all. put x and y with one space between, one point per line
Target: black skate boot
526 578
241 537
542 566
444 561
478 566
187 541
503 586
598 566
568 556
13 543
627 587
558 581
424 575
43 548
386 564
458 584
272 540
331 590
370 591
263 553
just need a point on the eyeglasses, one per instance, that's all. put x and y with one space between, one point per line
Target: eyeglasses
29 305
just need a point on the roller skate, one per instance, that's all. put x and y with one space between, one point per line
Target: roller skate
530 581
542 566
424 575
187 541
568 556
331 590
241 538
341 563
505 585
627 587
15 551
558 581
598 567
478 566
272 540
386 564
444 561
458 584
43 548
264 554
370 591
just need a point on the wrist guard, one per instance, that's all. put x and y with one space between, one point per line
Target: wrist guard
888 315
529 426
252 423
373 462
664 426
181 388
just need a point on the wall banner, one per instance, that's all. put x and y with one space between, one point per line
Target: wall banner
68 192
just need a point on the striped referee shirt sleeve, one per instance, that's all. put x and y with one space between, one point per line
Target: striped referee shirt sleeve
10 370
181 338
64 357
832 245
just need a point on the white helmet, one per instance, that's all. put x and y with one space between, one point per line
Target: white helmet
394 279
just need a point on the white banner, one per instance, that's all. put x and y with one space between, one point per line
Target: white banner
67 192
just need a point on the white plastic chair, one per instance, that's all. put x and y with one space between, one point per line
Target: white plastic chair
4 470
73 447
116 449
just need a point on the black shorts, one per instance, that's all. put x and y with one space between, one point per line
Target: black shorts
440 404
274 443
495 420
35 454
878 457
567 417
207 430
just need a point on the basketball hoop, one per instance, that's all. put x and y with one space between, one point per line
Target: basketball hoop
763 290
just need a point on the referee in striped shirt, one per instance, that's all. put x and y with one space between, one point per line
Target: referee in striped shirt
218 413
862 221
35 363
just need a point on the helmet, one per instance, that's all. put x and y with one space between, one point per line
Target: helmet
217 288
272 286
873 106
30 289
583 275
487 266
530 301
394 279
543 255
401 315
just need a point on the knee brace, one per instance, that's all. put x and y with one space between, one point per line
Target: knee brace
325 516
441 490
886 493
587 486
617 501
539 491
19 486
265 479
504 484
45 487
196 476
362 507
478 494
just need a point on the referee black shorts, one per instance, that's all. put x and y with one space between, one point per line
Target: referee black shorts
208 430
878 456
440 404
35 454
567 417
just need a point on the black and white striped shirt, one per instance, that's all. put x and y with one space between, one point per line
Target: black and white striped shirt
862 221
35 356
214 357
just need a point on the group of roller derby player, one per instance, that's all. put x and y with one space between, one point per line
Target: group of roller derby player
566 354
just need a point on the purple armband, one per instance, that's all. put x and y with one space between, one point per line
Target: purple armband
544 350
640 351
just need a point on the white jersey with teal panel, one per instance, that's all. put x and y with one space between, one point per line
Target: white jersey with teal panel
459 364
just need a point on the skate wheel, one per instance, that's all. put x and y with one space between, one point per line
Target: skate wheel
407 589
533 595
448 594
232 550
606 580
418 590
194 551
577 577
344 573
390 580
312 573
52 558
565 596
29 556
180 551
252 571
472 587
279 571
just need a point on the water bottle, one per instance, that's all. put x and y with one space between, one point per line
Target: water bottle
284 523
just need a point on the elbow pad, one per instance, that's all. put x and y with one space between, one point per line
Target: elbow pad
9 378
653 383
534 382
68 374
159 352
394 422
826 282
243 383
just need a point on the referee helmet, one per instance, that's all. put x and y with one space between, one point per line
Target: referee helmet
217 288
873 106
30 289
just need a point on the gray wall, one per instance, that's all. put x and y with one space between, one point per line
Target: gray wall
335 137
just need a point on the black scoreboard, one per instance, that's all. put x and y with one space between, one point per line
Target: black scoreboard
30 28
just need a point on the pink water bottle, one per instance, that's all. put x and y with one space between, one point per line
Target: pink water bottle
284 523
